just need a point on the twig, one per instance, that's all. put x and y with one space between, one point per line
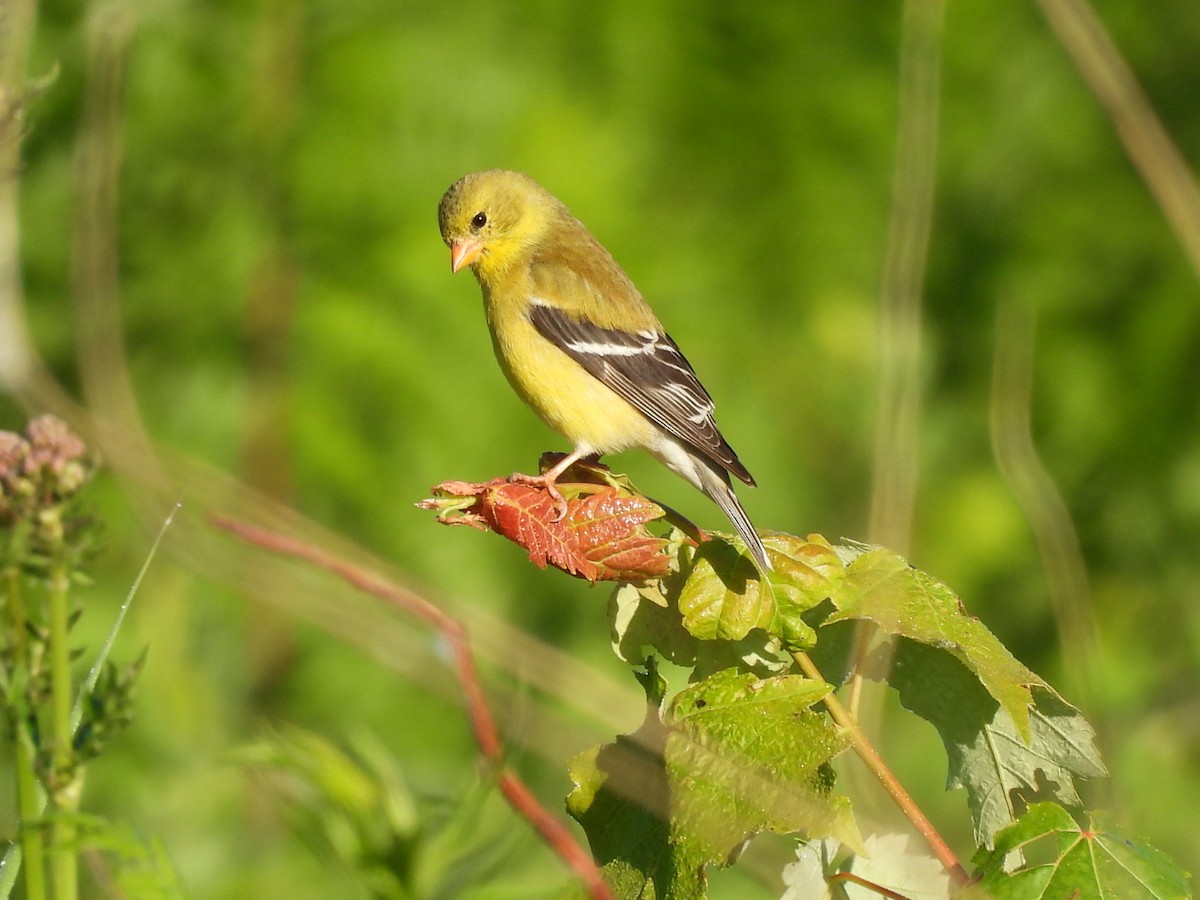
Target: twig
519 797
869 755
869 885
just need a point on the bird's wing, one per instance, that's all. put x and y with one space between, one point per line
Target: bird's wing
649 371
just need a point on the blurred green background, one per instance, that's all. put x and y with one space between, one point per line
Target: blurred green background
288 316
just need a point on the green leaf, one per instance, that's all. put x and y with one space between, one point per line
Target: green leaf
758 653
1009 738
724 597
621 798
641 622
807 571
108 709
639 618
1059 859
882 587
986 753
746 755
732 756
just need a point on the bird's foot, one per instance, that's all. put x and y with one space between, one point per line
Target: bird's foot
545 481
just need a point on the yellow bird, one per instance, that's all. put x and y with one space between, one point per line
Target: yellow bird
579 344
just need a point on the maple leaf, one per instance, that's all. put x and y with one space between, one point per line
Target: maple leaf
609 529
602 537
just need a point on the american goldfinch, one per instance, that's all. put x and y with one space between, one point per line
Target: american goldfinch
579 344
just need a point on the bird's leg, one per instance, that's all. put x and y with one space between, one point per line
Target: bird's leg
548 478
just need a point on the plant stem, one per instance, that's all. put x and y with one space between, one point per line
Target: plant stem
519 797
64 796
29 800
869 755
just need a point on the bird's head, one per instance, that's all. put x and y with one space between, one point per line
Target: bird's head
488 218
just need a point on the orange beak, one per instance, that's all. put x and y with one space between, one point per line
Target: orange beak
463 253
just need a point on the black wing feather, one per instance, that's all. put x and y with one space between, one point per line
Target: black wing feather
648 370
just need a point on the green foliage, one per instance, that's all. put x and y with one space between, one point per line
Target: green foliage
1008 735
727 614
737 159
141 868
1046 854
746 755
46 537
882 588
723 599
107 708
741 751
729 757
354 806
1000 767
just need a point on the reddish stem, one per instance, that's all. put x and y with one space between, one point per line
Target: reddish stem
869 885
870 756
519 797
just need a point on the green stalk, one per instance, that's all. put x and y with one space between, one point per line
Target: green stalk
65 796
29 800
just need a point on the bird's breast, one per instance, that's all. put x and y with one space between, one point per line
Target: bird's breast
563 394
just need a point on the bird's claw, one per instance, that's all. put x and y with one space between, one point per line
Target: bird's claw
560 502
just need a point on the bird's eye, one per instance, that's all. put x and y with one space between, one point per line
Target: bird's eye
479 220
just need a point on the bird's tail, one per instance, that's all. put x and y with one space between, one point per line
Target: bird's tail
715 483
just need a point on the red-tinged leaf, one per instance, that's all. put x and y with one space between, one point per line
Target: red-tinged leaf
464 488
457 502
526 516
610 529
601 538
